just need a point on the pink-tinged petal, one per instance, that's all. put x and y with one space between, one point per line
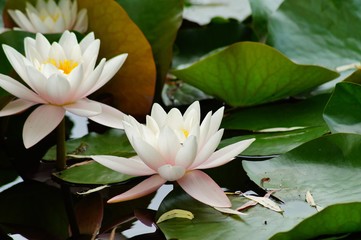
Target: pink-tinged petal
109 117
201 187
187 153
168 144
150 156
84 108
40 123
130 166
17 89
171 173
208 149
226 154
15 106
144 188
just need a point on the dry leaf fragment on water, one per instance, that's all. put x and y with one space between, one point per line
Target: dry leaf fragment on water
266 202
175 213
229 211
93 190
311 201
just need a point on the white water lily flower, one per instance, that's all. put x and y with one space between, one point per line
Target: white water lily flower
50 17
173 147
59 76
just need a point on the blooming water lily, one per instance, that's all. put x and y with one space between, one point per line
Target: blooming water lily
59 76
50 17
173 147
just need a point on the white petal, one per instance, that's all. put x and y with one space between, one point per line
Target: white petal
208 149
86 41
186 155
109 117
40 123
81 24
130 166
171 173
226 154
18 62
150 156
158 114
42 45
57 89
111 67
22 21
169 144
216 121
84 108
17 89
89 83
15 106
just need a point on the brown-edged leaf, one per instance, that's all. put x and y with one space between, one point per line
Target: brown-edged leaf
132 88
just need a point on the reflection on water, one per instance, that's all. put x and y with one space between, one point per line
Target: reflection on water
138 227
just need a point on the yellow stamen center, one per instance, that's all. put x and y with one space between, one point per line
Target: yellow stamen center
64 65
185 132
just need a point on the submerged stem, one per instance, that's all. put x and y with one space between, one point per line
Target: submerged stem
60 146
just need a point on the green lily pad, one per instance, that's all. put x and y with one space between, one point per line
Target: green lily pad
278 127
286 114
208 223
343 111
273 143
324 166
91 173
113 142
334 220
192 41
322 32
249 73
328 167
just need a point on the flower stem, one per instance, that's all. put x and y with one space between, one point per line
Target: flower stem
60 147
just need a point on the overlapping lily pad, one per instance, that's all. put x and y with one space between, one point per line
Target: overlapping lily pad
343 111
248 73
278 127
322 32
159 21
114 142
